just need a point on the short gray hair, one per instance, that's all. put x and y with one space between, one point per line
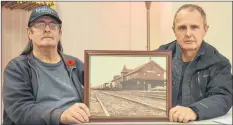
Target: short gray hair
191 8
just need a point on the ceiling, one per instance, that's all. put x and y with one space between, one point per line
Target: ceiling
24 5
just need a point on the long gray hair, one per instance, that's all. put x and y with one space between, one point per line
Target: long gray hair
28 49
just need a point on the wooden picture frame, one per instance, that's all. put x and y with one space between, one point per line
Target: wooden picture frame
128 85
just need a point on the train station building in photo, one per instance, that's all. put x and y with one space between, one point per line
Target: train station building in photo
144 77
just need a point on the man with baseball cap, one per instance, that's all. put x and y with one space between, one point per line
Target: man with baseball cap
44 86
43 11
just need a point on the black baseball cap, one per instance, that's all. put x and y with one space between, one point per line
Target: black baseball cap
43 11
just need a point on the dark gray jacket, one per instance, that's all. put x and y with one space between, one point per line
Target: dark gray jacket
207 81
20 90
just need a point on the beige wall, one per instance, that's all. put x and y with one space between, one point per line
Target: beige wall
102 25
14 37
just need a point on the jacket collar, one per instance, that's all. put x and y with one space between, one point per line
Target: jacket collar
208 57
64 58
205 57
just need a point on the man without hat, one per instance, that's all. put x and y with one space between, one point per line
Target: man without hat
201 76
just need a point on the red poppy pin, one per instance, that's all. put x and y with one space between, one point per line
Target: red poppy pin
70 62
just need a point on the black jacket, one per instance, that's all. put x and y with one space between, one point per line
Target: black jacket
207 81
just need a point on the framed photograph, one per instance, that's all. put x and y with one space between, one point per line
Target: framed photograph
127 85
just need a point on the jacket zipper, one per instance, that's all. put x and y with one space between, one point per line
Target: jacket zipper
199 83
71 72
74 83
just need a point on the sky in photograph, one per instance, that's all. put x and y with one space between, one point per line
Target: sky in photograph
103 68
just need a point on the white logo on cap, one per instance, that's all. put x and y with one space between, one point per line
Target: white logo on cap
44 9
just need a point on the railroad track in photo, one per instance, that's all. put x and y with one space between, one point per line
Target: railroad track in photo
147 94
112 103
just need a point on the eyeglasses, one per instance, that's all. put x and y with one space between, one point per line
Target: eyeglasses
42 25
